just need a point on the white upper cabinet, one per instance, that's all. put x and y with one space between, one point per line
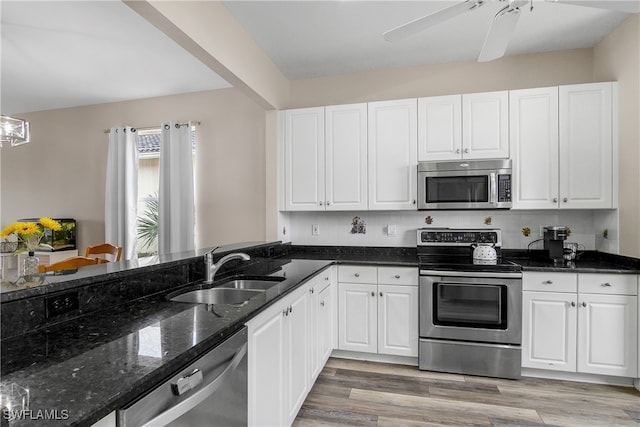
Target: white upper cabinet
586 146
533 118
304 159
562 147
392 152
326 158
485 125
470 126
439 128
346 157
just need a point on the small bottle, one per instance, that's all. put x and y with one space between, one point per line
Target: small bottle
31 264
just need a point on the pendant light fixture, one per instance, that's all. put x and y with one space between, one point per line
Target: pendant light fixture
13 131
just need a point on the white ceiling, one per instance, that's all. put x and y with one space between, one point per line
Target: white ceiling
59 54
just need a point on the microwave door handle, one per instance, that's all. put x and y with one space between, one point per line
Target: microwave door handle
492 187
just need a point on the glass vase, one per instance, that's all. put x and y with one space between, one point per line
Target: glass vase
30 266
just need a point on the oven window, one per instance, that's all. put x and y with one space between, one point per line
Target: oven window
457 189
476 306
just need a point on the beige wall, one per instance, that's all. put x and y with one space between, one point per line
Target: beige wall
61 173
617 58
514 72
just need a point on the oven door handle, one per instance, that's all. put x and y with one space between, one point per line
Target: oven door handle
485 274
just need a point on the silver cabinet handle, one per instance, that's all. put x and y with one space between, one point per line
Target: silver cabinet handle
380 293
555 200
466 150
584 304
606 284
285 312
547 282
311 290
290 309
357 274
373 294
320 203
573 303
326 278
413 202
322 303
397 276
328 203
565 200
457 151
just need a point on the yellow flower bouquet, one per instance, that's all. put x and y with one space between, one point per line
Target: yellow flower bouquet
30 233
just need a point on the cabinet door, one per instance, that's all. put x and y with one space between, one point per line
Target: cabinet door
266 373
485 125
326 322
357 313
392 152
533 120
296 355
313 324
549 322
440 128
586 146
608 334
398 320
304 159
346 157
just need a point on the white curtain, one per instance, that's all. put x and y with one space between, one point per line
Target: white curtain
121 193
176 199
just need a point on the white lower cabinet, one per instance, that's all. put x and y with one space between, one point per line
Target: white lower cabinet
289 344
378 317
278 361
586 323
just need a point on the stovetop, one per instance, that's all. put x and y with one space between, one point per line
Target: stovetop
451 249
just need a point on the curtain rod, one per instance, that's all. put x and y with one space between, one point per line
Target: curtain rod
155 127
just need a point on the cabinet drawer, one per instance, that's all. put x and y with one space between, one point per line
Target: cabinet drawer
613 284
549 282
357 274
398 276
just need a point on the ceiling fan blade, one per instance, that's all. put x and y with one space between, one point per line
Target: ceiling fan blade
628 6
405 30
502 27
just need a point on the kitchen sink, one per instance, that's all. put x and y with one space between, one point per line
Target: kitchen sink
231 296
253 284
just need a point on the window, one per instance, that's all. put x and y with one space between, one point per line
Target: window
148 143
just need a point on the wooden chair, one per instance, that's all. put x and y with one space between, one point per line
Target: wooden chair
70 263
105 249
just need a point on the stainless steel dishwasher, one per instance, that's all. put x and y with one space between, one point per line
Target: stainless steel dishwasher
212 391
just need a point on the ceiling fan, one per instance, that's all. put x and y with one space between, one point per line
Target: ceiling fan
503 24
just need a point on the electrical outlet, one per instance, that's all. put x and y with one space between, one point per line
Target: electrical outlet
56 305
391 230
315 229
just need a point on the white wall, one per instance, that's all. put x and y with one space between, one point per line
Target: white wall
335 227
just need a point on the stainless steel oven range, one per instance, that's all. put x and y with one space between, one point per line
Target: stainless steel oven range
470 309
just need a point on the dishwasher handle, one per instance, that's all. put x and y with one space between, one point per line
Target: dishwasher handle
191 402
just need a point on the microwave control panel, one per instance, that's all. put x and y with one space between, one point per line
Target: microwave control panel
504 188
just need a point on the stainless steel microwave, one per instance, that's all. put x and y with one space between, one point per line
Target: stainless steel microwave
464 184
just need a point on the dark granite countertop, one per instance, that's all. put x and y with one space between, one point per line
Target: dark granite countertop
90 366
588 262
95 364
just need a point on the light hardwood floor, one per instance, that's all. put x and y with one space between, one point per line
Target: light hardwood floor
357 393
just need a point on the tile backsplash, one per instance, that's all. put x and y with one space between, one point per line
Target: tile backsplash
588 227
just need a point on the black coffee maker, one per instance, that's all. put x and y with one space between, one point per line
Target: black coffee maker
554 237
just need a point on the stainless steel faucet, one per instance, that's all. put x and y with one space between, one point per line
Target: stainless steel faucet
210 269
